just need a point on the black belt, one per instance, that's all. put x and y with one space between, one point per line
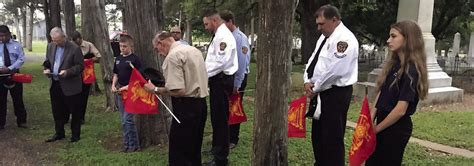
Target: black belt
219 76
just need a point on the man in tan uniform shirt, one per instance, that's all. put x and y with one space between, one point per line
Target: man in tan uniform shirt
186 81
89 51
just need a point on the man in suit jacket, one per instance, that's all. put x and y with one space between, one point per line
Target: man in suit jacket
65 69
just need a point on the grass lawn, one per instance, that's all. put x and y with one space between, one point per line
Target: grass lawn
39 48
101 135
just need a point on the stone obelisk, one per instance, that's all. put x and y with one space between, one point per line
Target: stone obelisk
441 91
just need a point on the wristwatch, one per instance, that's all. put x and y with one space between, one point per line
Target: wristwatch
155 90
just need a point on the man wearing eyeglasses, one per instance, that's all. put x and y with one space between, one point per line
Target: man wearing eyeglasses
176 33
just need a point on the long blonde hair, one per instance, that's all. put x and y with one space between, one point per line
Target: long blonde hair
411 52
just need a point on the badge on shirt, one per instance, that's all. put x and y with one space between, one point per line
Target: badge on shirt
341 48
245 50
222 46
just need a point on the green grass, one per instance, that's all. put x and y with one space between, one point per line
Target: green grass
101 136
450 128
39 48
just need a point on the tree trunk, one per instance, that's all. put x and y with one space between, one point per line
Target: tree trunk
94 29
69 18
23 14
18 32
142 21
47 18
54 11
188 30
270 135
29 34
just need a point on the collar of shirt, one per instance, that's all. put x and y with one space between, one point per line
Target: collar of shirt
222 28
173 46
336 33
127 54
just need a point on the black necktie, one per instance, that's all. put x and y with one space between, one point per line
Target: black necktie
6 56
310 69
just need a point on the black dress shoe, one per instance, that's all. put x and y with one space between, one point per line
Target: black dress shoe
55 138
74 139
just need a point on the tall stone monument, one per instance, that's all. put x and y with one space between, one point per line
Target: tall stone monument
441 91
456 44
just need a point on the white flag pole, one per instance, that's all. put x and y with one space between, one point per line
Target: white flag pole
167 108
131 65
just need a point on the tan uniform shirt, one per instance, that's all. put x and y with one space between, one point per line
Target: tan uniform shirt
87 47
184 68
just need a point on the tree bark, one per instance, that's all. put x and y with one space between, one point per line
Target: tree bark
17 27
29 34
142 21
54 11
69 10
270 135
24 21
188 31
94 29
47 18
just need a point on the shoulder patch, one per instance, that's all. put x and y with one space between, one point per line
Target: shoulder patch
222 46
342 46
245 50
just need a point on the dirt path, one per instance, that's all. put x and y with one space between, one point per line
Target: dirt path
17 150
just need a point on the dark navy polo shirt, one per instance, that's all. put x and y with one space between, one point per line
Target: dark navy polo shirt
404 89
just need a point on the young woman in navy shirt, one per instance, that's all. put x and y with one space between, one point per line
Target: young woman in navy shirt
401 84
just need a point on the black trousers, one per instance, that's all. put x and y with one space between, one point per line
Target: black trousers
186 137
234 130
327 133
391 142
85 96
221 86
62 105
18 106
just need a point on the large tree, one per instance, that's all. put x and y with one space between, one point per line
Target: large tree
69 16
309 34
94 29
52 13
142 21
270 140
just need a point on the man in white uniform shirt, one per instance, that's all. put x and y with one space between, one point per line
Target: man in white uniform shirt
221 64
329 75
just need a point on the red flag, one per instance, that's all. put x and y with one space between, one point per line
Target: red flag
22 78
88 75
296 119
138 100
363 140
124 95
236 110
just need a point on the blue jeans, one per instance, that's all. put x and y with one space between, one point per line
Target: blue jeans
130 136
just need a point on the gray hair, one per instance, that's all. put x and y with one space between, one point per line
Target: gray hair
161 36
58 31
